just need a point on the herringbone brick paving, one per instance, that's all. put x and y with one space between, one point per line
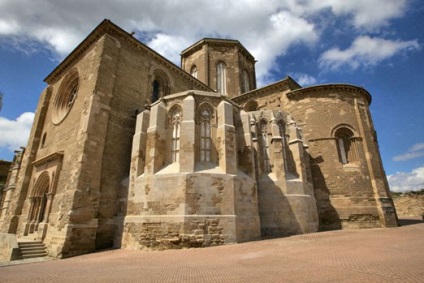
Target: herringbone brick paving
377 255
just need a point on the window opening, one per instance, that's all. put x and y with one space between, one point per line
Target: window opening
205 135
245 82
156 88
193 71
176 127
346 146
220 78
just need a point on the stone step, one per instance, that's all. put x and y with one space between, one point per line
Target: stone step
34 255
30 244
32 249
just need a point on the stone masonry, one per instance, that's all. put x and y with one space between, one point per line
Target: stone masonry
129 150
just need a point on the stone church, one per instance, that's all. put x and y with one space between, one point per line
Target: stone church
128 150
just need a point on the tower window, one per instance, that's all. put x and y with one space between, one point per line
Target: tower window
245 84
220 78
193 71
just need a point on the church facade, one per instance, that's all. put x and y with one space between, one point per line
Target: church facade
129 150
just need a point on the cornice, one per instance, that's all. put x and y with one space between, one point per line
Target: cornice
331 87
217 42
107 27
284 84
47 159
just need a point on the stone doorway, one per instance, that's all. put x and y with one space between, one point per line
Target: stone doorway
40 205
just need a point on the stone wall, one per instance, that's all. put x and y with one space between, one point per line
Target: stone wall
347 194
9 248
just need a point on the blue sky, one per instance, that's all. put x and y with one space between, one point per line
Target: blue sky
376 44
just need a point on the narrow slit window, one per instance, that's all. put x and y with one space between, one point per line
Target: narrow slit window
220 78
346 146
193 71
156 89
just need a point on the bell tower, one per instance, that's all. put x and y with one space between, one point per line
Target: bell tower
224 65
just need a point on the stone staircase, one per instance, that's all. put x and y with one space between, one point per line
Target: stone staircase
31 249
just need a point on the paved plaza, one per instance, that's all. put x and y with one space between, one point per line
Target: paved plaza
373 255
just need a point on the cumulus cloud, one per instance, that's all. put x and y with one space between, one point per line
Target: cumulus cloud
364 14
167 45
268 29
365 51
15 133
415 151
303 79
407 181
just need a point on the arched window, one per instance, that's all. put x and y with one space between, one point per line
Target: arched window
156 89
176 118
193 71
252 105
205 135
160 85
263 126
221 78
245 85
346 145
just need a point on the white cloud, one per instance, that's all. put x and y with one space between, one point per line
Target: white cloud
407 181
15 133
365 14
417 147
415 151
267 29
365 51
169 46
303 79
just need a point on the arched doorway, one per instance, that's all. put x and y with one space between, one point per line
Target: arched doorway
40 201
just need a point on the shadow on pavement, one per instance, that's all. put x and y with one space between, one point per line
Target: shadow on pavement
405 221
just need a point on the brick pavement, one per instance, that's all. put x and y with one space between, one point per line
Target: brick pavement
378 255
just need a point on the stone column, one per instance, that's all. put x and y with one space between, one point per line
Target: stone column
248 152
48 207
188 136
34 214
7 199
138 153
29 216
276 150
297 150
156 139
226 138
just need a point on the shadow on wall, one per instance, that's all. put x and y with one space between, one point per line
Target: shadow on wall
277 217
121 212
329 219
